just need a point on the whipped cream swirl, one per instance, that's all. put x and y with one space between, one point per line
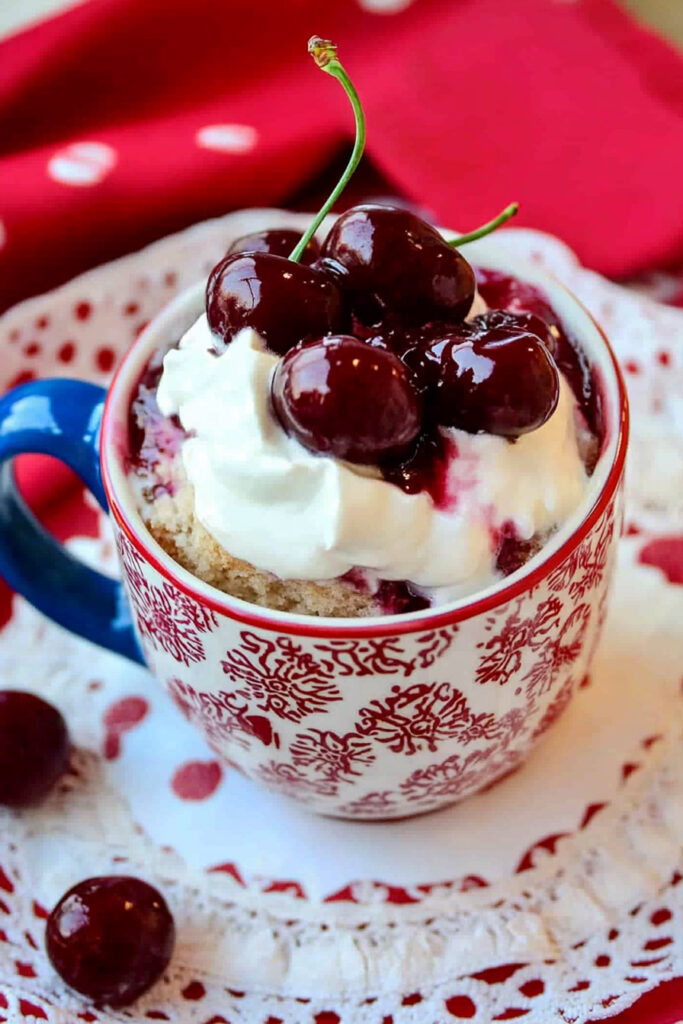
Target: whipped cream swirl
268 500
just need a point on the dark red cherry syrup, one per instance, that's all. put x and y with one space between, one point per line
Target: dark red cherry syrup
425 469
398 597
151 435
394 597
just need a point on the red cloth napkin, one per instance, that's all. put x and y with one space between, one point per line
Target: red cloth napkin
109 115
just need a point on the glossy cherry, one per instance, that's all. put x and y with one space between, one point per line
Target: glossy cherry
278 241
111 938
283 301
419 348
519 296
423 353
389 261
399 337
522 321
339 396
495 378
34 748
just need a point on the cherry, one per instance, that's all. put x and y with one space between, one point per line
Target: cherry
388 260
422 354
278 241
524 321
34 748
398 337
418 347
283 301
501 290
111 938
339 396
495 378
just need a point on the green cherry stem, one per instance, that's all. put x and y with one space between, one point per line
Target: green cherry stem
485 229
324 53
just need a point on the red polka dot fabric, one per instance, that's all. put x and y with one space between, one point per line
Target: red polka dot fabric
569 108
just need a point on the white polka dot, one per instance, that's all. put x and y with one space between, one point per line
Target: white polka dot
385 6
82 163
227 138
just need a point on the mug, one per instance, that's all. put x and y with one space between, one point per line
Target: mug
367 719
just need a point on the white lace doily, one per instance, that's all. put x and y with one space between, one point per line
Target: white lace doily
554 895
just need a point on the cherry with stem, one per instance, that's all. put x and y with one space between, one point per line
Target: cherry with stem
324 53
278 297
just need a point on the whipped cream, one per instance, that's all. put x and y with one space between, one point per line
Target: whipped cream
268 500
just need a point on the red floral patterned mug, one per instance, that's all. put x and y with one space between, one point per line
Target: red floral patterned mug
366 718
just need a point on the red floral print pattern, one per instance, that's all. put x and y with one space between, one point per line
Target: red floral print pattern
504 651
583 570
291 781
559 653
373 805
531 646
167 619
222 716
555 709
355 657
513 723
422 715
457 775
280 676
332 756
387 655
131 562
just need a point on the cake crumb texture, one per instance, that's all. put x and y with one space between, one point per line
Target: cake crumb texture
171 520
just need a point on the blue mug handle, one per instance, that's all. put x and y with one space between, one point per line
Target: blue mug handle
62 418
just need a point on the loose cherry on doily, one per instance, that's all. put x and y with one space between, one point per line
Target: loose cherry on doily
34 748
342 397
111 938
